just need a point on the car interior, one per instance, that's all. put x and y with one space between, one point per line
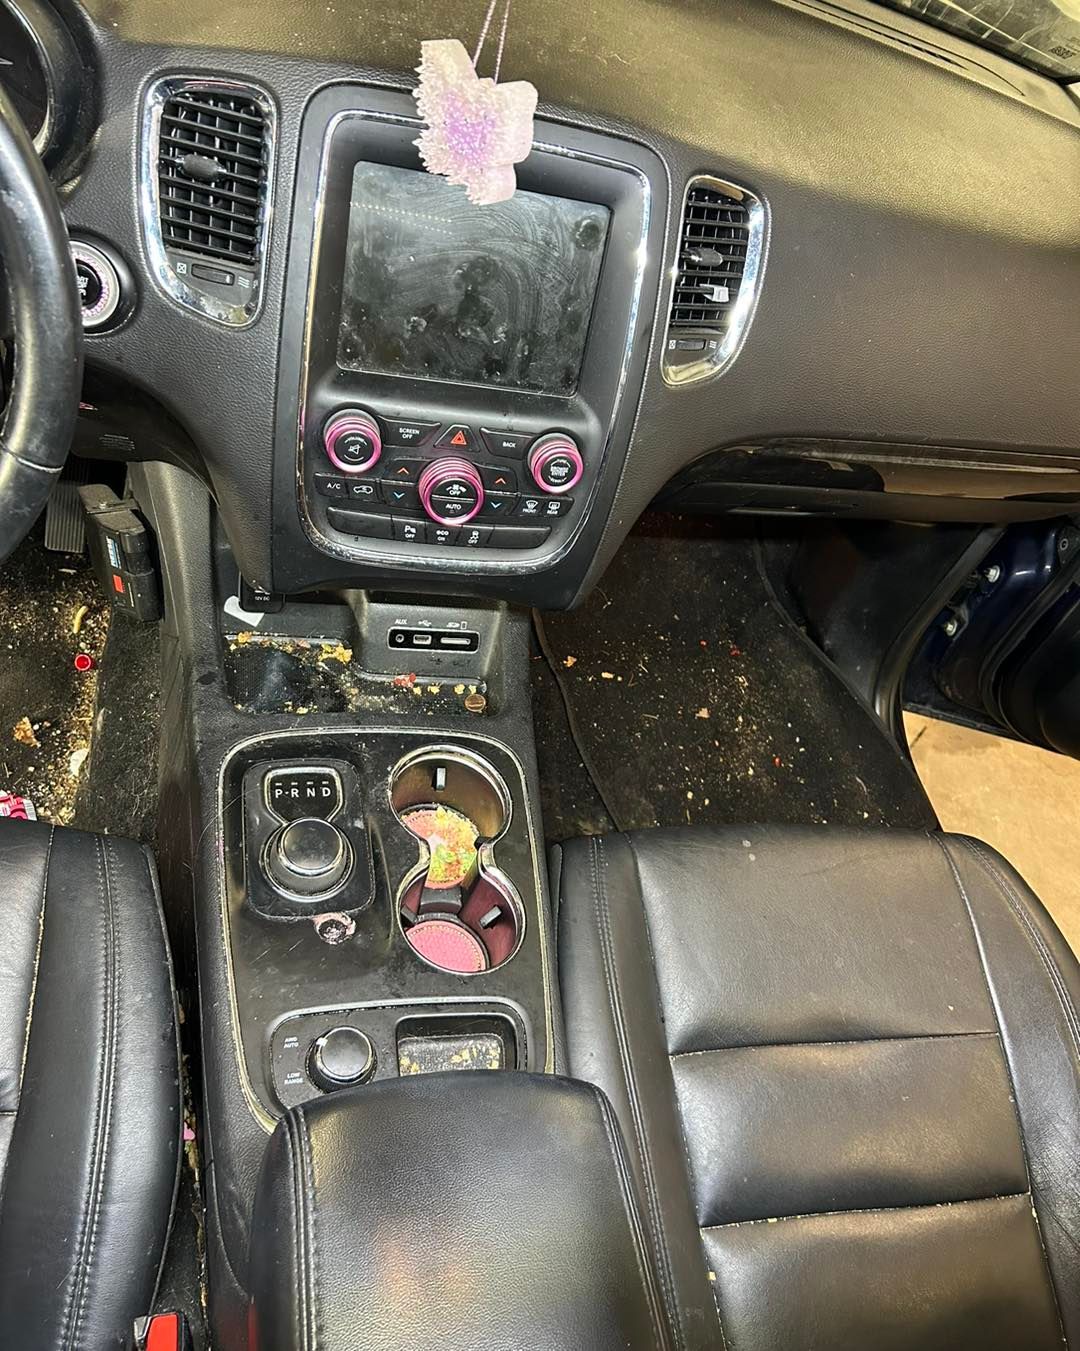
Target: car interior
480 486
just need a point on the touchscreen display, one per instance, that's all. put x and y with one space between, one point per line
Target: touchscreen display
437 288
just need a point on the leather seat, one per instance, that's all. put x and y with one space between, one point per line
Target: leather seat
846 1067
89 1088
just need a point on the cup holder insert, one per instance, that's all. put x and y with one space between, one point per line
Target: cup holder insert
456 910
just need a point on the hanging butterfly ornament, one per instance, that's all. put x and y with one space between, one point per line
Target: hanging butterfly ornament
477 129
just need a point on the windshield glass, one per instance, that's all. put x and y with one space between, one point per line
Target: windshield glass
1042 34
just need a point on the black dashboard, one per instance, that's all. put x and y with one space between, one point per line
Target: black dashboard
772 255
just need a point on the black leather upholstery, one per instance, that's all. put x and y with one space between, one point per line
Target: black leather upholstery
89 1089
846 1067
453 1212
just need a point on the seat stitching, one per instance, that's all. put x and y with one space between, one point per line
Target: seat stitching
614 1000
300 1198
309 1182
870 1210
631 1214
680 1129
107 1131
1012 902
300 1305
1036 939
74 1302
843 1041
37 964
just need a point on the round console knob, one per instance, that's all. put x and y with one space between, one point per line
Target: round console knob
555 462
451 491
308 858
340 1058
353 441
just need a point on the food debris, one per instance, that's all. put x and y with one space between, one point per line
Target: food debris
702 713
243 638
76 761
607 675
23 732
404 681
335 652
77 621
569 661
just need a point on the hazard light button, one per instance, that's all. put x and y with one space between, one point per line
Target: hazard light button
457 437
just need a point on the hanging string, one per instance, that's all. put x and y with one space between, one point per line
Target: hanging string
492 6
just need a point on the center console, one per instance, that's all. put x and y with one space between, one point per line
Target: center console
383 912
457 383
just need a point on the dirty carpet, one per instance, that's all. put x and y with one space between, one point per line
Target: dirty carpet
681 693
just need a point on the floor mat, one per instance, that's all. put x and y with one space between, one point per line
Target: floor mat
51 609
82 745
118 791
691 698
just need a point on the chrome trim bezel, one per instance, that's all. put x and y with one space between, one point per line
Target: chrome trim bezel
434 560
742 313
257 1111
164 274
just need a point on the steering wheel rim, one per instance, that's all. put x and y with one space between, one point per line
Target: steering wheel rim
39 421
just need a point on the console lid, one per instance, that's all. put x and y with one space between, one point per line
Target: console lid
457 1212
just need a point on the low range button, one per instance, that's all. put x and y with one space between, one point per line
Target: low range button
511 444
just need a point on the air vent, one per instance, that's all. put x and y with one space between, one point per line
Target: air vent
716 276
208 154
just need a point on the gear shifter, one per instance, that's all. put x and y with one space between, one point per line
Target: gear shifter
307 858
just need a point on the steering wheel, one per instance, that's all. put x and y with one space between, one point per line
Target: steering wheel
43 296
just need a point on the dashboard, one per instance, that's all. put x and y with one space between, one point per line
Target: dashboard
772 255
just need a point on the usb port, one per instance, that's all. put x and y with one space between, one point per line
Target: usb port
421 640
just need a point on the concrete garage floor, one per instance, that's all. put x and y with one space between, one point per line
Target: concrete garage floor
1022 800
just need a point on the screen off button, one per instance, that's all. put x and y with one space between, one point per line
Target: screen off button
400 433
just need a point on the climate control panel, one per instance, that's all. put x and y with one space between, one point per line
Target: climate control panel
445 484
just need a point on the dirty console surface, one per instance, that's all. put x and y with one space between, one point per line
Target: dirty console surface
382 909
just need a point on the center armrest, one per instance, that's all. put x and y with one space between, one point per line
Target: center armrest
457 1212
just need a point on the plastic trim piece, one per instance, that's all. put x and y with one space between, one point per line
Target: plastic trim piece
162 270
742 312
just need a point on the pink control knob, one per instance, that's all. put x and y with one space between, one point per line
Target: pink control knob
451 491
555 462
353 441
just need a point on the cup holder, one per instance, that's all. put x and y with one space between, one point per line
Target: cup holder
457 911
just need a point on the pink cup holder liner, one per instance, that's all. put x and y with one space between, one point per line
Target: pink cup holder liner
481 936
449 945
456 910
